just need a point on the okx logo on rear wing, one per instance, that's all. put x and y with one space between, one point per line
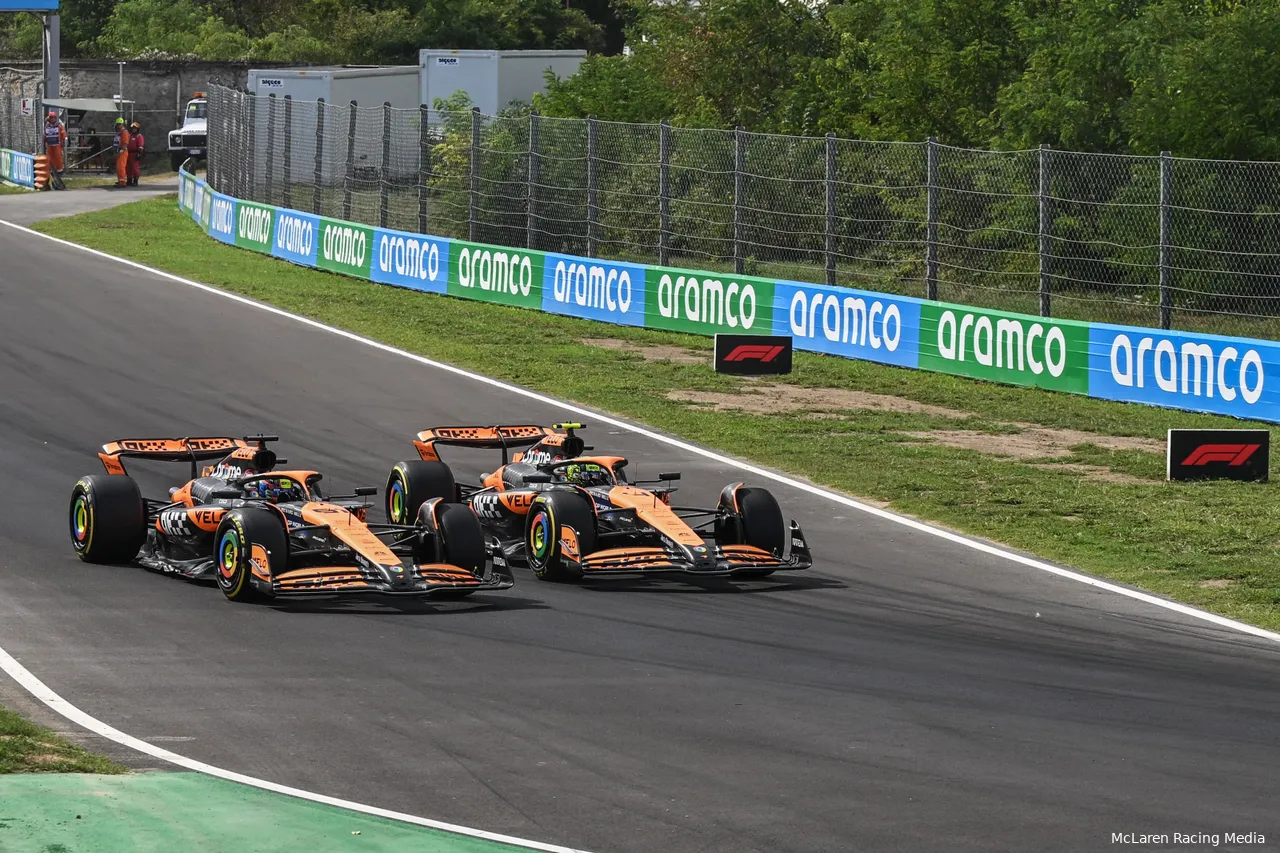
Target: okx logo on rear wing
501 436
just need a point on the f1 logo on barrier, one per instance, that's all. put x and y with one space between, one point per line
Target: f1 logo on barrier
753 355
1230 454
749 352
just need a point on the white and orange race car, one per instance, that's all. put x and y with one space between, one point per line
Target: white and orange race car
572 516
260 532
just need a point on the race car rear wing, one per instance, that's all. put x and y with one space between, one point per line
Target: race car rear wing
193 450
504 436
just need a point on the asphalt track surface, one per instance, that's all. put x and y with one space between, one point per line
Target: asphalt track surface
907 694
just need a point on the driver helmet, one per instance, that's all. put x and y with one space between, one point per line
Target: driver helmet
586 474
277 490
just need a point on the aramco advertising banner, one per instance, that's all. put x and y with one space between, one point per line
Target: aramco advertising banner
1239 377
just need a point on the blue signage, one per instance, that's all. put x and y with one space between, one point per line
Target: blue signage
1203 373
593 289
410 260
849 323
295 237
18 168
222 217
28 5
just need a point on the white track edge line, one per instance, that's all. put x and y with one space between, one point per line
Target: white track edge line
57 703
41 691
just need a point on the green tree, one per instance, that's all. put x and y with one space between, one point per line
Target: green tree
612 88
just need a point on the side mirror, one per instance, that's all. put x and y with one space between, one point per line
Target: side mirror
537 478
670 475
365 491
226 494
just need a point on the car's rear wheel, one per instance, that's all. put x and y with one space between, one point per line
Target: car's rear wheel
233 548
550 514
759 523
108 518
411 484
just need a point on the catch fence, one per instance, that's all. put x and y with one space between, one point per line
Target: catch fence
1149 241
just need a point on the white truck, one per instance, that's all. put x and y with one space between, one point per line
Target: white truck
192 139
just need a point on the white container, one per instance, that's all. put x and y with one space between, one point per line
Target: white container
492 78
370 87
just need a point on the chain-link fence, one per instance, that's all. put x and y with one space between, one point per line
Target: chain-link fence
1150 241
19 132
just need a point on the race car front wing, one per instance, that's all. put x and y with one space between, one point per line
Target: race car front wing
422 580
708 561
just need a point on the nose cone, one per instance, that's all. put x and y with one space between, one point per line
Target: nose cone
703 557
400 577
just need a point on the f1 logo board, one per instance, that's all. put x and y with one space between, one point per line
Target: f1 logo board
1219 454
753 355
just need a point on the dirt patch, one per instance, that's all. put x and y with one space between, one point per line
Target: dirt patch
777 399
678 355
1034 442
1216 583
1098 474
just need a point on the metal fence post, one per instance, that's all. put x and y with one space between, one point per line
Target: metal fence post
1046 231
350 179
831 209
473 209
931 218
315 189
664 193
269 157
739 196
231 101
535 178
1166 238
424 164
288 151
384 184
253 156
593 200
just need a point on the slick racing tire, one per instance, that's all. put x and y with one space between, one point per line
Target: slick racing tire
761 524
550 514
239 531
459 542
411 484
108 519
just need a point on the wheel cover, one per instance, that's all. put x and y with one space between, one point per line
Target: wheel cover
80 522
228 554
540 537
396 501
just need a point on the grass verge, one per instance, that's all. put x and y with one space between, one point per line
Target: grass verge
28 748
1076 480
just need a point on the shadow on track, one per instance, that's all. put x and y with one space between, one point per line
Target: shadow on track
369 606
709 586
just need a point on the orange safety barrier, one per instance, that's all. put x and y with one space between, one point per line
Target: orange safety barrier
42 171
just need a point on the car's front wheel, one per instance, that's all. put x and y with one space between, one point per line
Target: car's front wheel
751 516
241 533
550 514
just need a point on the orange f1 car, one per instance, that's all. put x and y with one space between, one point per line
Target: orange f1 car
572 516
260 532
